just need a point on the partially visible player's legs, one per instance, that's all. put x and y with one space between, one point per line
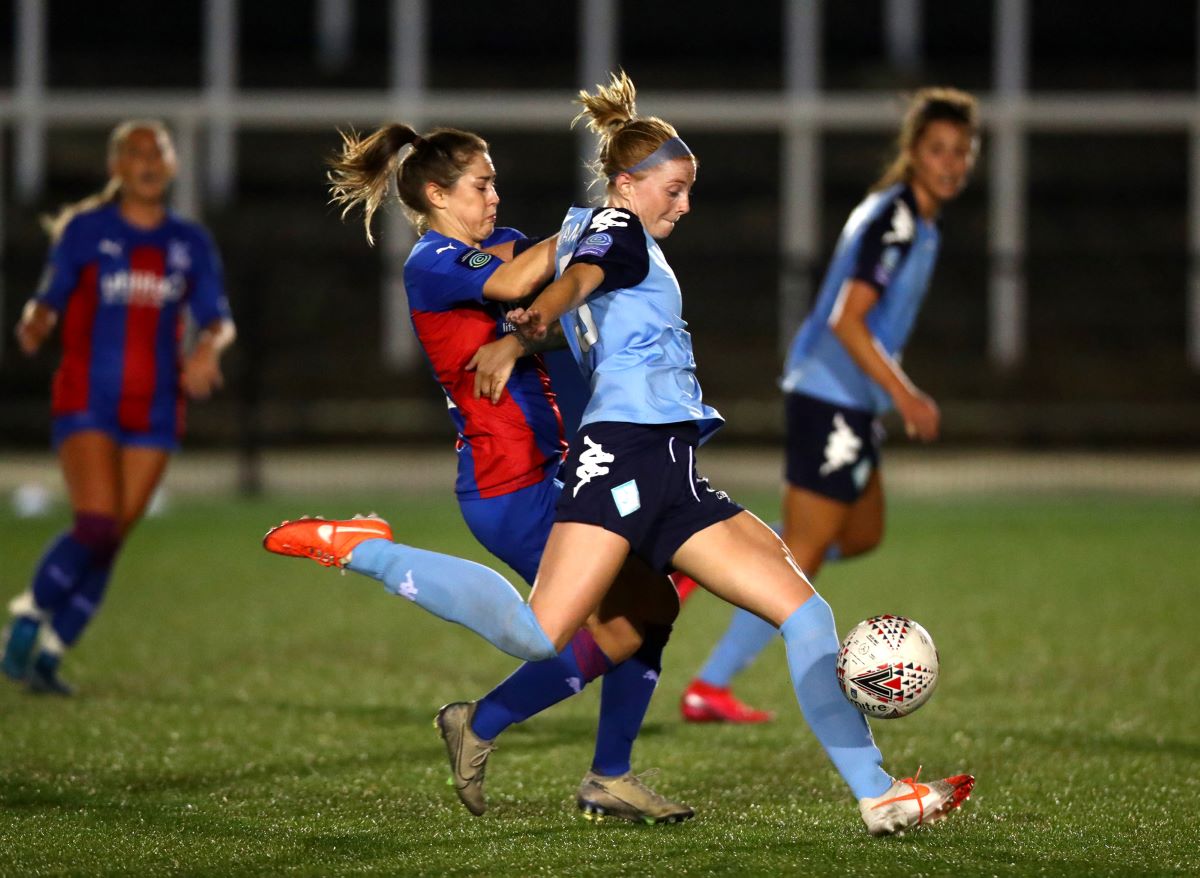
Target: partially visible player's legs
743 562
140 471
581 570
816 529
91 469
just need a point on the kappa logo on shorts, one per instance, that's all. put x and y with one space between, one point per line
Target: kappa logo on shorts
842 446
627 498
474 259
591 464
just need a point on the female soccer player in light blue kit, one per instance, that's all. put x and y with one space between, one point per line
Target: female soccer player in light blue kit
843 368
631 483
461 278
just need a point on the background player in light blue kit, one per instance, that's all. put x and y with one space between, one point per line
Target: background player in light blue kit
121 270
843 367
631 481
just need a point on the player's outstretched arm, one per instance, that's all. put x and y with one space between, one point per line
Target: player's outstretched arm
524 275
568 292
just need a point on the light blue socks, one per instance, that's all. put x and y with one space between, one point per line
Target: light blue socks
746 636
812 646
459 591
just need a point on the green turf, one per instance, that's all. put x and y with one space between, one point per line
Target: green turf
246 714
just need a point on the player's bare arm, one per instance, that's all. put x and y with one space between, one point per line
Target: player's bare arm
524 274
569 291
36 323
849 323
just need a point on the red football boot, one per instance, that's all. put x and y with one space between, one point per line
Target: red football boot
705 703
326 541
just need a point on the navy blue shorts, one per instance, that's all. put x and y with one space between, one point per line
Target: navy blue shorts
639 481
831 449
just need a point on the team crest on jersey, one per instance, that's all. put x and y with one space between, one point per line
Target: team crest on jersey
474 259
888 261
594 245
179 257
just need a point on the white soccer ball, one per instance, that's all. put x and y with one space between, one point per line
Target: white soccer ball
887 666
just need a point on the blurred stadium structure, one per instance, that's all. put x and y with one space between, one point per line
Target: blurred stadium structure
1066 311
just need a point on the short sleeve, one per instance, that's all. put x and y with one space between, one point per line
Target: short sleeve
207 300
63 266
884 244
445 276
614 242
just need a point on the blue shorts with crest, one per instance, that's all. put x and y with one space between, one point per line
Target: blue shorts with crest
639 481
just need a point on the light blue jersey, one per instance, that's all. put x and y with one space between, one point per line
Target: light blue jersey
629 337
886 244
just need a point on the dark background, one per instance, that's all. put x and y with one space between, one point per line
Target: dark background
1106 268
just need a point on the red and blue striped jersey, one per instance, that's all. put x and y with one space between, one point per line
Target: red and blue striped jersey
118 289
503 447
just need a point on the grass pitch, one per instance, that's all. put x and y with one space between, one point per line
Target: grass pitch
247 714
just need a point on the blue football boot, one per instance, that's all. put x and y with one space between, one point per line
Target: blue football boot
43 676
20 636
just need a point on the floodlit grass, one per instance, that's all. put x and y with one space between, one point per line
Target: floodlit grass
247 714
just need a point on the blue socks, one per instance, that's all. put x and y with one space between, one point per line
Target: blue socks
70 619
812 646
59 570
535 686
624 699
459 591
741 643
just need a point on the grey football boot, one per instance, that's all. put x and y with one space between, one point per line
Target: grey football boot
467 751
627 798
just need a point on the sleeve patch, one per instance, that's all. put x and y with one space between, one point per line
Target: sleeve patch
594 245
474 259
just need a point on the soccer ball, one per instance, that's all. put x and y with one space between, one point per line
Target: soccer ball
887 666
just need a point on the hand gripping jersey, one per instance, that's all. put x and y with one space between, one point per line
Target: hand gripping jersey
629 337
886 244
119 289
504 447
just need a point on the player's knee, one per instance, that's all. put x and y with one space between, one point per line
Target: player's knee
859 544
101 534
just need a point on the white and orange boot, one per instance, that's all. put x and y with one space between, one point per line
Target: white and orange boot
329 542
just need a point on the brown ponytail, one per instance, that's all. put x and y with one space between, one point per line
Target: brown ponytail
625 138
362 172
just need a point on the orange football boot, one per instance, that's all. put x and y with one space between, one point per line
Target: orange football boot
326 541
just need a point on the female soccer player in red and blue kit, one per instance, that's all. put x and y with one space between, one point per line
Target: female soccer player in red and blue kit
461 277
120 272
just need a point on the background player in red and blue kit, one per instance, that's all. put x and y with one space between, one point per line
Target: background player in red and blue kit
121 270
512 437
